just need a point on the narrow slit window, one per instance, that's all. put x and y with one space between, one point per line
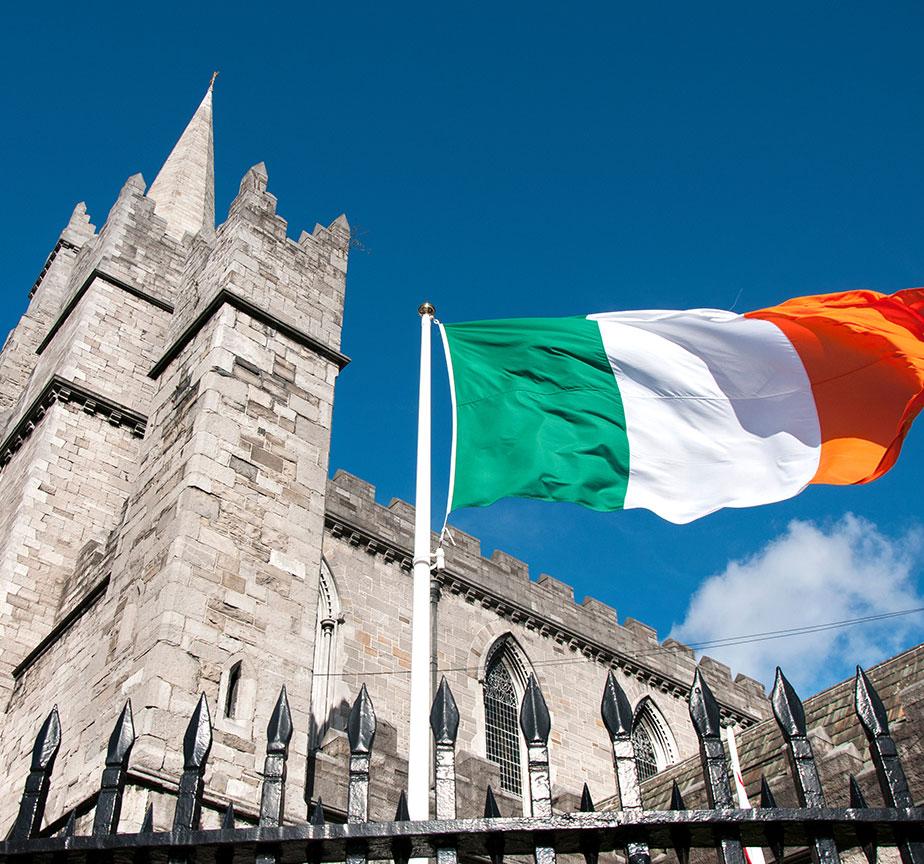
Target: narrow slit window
234 686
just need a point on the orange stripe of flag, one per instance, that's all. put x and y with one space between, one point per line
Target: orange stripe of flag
864 355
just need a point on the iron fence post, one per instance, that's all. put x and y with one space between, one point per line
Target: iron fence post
536 725
617 717
361 734
704 712
889 771
444 721
112 786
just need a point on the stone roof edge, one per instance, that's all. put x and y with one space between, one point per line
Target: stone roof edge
62 390
546 605
61 244
77 296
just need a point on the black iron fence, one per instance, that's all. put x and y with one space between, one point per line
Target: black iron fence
632 831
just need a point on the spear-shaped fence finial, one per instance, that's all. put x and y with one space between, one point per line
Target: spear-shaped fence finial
278 735
112 787
866 838
787 708
615 709
34 796
197 742
361 725
147 824
361 734
534 714
444 715
227 822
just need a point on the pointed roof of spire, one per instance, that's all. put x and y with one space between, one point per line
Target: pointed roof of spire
184 190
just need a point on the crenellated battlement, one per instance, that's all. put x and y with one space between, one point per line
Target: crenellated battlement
502 583
252 264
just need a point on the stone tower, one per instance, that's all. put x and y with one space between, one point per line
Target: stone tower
165 417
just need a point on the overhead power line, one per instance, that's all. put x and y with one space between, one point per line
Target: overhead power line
799 631
714 643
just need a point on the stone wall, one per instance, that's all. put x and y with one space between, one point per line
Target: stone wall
570 646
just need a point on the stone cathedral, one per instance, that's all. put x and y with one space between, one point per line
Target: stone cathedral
169 528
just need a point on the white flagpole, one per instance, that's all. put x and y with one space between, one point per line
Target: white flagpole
754 854
418 761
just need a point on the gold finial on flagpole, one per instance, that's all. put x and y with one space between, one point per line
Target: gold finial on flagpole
426 309
212 82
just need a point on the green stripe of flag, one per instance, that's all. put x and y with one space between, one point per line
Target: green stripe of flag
538 414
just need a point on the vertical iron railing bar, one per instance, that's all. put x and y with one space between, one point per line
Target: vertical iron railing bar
704 712
272 795
401 846
444 722
773 833
112 786
865 837
590 840
197 743
790 717
314 849
617 718
536 725
361 734
889 771
495 845
35 794
680 837
278 735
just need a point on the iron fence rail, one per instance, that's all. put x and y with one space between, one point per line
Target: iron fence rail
631 830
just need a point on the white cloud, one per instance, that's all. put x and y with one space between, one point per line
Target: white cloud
812 575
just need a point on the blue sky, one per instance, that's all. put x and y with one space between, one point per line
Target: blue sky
528 160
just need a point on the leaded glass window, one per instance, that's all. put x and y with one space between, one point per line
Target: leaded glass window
646 761
501 727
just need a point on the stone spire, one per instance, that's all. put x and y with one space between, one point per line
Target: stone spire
184 190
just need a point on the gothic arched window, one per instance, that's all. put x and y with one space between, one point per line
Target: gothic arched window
651 740
646 760
502 729
505 677
325 667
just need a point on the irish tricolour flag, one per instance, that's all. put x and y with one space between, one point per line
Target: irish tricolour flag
684 412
